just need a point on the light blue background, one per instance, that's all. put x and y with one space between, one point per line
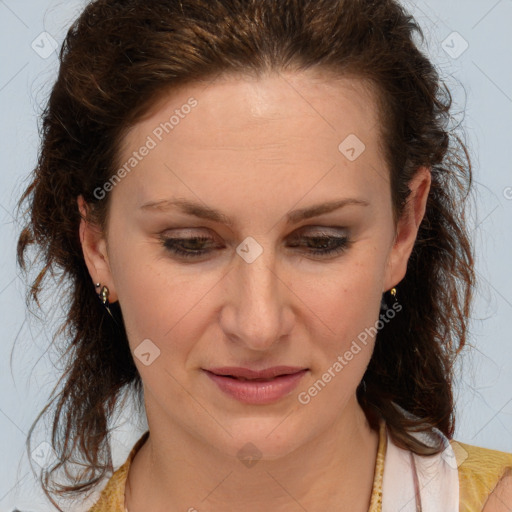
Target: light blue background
480 79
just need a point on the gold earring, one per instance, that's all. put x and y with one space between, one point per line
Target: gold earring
104 299
393 294
104 295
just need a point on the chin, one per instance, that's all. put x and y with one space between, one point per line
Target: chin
264 438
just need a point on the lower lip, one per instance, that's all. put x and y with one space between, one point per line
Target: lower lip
258 392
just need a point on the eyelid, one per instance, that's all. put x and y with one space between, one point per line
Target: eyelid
323 229
179 232
311 230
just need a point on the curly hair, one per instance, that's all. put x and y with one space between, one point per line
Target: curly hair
117 60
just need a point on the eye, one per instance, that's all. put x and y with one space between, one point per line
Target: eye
191 250
326 245
321 244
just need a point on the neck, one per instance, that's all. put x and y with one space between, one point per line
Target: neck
332 471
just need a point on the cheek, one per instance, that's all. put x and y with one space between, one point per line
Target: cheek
139 286
347 300
160 300
344 316
344 307
349 326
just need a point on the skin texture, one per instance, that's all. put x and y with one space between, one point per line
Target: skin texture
254 149
500 500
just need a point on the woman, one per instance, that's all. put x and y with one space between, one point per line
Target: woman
266 200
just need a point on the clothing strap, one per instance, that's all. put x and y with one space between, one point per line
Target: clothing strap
411 483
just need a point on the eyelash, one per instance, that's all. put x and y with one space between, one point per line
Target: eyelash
342 243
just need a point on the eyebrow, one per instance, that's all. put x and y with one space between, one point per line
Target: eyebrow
205 212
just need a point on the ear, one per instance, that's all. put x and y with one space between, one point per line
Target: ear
94 247
407 227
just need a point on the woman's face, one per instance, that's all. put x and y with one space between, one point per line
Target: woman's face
254 289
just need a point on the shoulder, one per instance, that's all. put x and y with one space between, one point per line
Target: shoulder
501 498
485 478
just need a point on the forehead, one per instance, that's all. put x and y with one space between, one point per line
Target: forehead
229 102
245 133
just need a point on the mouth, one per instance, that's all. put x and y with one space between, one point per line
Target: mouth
257 387
255 375
252 380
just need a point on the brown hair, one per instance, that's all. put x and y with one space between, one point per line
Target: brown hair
117 59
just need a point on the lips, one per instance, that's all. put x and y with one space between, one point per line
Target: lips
256 375
257 387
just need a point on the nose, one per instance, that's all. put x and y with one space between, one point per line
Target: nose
257 313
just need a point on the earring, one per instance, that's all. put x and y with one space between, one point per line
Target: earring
104 299
384 305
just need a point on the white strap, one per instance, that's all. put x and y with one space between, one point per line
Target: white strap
438 480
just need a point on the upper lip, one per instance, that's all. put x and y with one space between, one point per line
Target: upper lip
247 373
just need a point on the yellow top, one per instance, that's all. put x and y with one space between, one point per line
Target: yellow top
480 470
